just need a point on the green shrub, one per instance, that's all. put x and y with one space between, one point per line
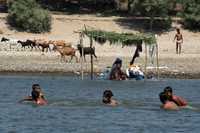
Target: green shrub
164 24
191 15
27 15
159 24
192 22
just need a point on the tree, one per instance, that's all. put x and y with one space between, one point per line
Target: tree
151 9
27 15
191 14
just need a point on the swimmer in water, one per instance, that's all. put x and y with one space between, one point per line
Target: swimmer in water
36 95
38 89
107 98
29 98
167 102
38 99
177 99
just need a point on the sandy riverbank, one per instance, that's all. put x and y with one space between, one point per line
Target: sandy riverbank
185 65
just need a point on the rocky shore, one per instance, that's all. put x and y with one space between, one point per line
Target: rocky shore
49 63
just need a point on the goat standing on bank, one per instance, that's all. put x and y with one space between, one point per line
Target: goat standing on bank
66 51
43 44
86 50
3 39
25 44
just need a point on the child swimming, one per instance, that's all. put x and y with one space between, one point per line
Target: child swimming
167 102
107 98
36 96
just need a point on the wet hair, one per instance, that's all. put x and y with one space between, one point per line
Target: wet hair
107 94
164 97
35 95
168 89
35 86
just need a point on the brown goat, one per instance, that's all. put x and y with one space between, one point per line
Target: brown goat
43 44
67 51
60 43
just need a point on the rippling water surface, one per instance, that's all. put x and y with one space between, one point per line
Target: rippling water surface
75 106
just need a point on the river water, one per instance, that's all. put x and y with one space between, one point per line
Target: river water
75 106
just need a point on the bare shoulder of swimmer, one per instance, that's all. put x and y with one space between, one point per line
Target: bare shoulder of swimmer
170 106
114 102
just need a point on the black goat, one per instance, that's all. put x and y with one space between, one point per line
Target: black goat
3 39
25 44
32 43
86 50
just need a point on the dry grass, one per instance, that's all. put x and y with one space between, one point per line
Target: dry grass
1 31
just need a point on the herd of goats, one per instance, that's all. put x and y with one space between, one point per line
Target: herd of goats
63 47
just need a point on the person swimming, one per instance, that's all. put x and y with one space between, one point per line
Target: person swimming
39 90
36 96
167 102
177 99
38 99
107 98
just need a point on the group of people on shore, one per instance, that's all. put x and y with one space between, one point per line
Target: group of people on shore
168 99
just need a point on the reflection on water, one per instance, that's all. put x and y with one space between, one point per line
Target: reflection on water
75 106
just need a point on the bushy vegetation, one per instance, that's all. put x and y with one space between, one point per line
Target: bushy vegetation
152 9
78 6
191 14
125 39
27 15
158 24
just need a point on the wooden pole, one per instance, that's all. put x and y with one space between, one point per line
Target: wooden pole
145 61
91 56
91 60
81 43
157 61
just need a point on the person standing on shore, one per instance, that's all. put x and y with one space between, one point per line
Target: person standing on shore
179 40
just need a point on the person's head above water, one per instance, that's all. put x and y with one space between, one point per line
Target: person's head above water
164 98
35 86
107 94
168 90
